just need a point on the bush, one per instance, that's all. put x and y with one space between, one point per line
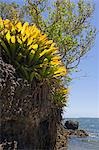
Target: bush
29 51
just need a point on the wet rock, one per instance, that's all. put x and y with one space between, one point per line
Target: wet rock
78 133
81 133
69 124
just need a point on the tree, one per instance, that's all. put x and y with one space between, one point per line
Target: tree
11 11
67 23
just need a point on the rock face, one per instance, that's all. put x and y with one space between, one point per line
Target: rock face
62 138
8 145
69 124
28 116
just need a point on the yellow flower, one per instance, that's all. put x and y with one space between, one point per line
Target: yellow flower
43 38
43 52
48 51
30 40
19 26
13 28
52 50
56 58
35 46
24 38
1 20
55 62
24 27
61 71
13 39
28 32
8 36
32 52
49 42
1 23
25 24
53 44
19 40
33 40
35 34
7 21
65 91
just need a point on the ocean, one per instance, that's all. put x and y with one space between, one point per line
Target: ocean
91 125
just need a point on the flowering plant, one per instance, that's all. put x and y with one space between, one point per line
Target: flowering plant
29 50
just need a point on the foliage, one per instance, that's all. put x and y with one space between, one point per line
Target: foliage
68 24
34 10
11 11
59 93
29 50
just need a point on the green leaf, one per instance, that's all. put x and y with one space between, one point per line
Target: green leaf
30 58
5 47
13 50
25 72
32 75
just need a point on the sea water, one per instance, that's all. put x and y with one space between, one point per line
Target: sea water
91 125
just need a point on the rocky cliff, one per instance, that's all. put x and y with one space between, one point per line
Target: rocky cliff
28 116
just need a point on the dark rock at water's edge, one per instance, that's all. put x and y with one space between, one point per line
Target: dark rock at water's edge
69 124
78 133
71 128
63 134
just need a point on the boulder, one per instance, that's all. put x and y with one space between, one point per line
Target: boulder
81 133
69 124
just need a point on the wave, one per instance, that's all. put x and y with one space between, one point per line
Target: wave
91 125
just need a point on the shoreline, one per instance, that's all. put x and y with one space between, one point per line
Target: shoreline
63 135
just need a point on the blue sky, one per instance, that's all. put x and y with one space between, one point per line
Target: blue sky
84 90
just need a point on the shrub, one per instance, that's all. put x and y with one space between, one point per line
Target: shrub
29 51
